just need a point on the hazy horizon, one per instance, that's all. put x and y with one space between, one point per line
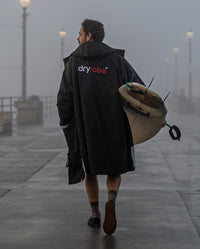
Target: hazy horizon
147 29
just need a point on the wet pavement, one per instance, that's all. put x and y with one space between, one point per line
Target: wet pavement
157 205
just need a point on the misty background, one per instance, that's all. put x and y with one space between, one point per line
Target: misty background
147 29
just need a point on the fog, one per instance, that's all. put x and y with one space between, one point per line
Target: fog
147 29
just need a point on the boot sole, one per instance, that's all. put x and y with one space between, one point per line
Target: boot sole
110 222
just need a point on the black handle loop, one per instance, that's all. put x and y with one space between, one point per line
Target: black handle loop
174 129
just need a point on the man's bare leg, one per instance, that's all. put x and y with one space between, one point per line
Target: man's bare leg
113 183
92 188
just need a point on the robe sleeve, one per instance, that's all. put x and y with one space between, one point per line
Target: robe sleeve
65 106
65 97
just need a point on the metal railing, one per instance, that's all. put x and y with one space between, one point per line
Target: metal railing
7 106
49 105
196 103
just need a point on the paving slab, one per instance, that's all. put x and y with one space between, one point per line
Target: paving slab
3 192
192 204
19 166
57 219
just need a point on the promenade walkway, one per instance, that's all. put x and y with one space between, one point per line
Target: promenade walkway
157 206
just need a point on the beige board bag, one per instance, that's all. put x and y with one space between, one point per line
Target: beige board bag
145 110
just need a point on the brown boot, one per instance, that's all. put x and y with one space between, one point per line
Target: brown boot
110 221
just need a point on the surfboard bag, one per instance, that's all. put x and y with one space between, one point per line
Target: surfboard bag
145 110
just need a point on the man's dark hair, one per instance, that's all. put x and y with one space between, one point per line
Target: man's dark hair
94 27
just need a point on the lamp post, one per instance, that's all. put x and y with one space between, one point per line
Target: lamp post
190 35
24 5
62 37
176 50
167 60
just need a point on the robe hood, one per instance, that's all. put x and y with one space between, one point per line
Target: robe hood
93 50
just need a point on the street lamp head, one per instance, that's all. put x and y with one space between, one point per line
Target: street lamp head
62 33
190 34
25 3
175 50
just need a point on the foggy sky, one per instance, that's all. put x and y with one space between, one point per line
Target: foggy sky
147 29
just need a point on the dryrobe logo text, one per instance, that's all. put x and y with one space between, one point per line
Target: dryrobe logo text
87 69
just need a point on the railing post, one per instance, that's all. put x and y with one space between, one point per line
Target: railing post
2 107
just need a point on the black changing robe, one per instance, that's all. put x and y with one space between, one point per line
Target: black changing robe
89 96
